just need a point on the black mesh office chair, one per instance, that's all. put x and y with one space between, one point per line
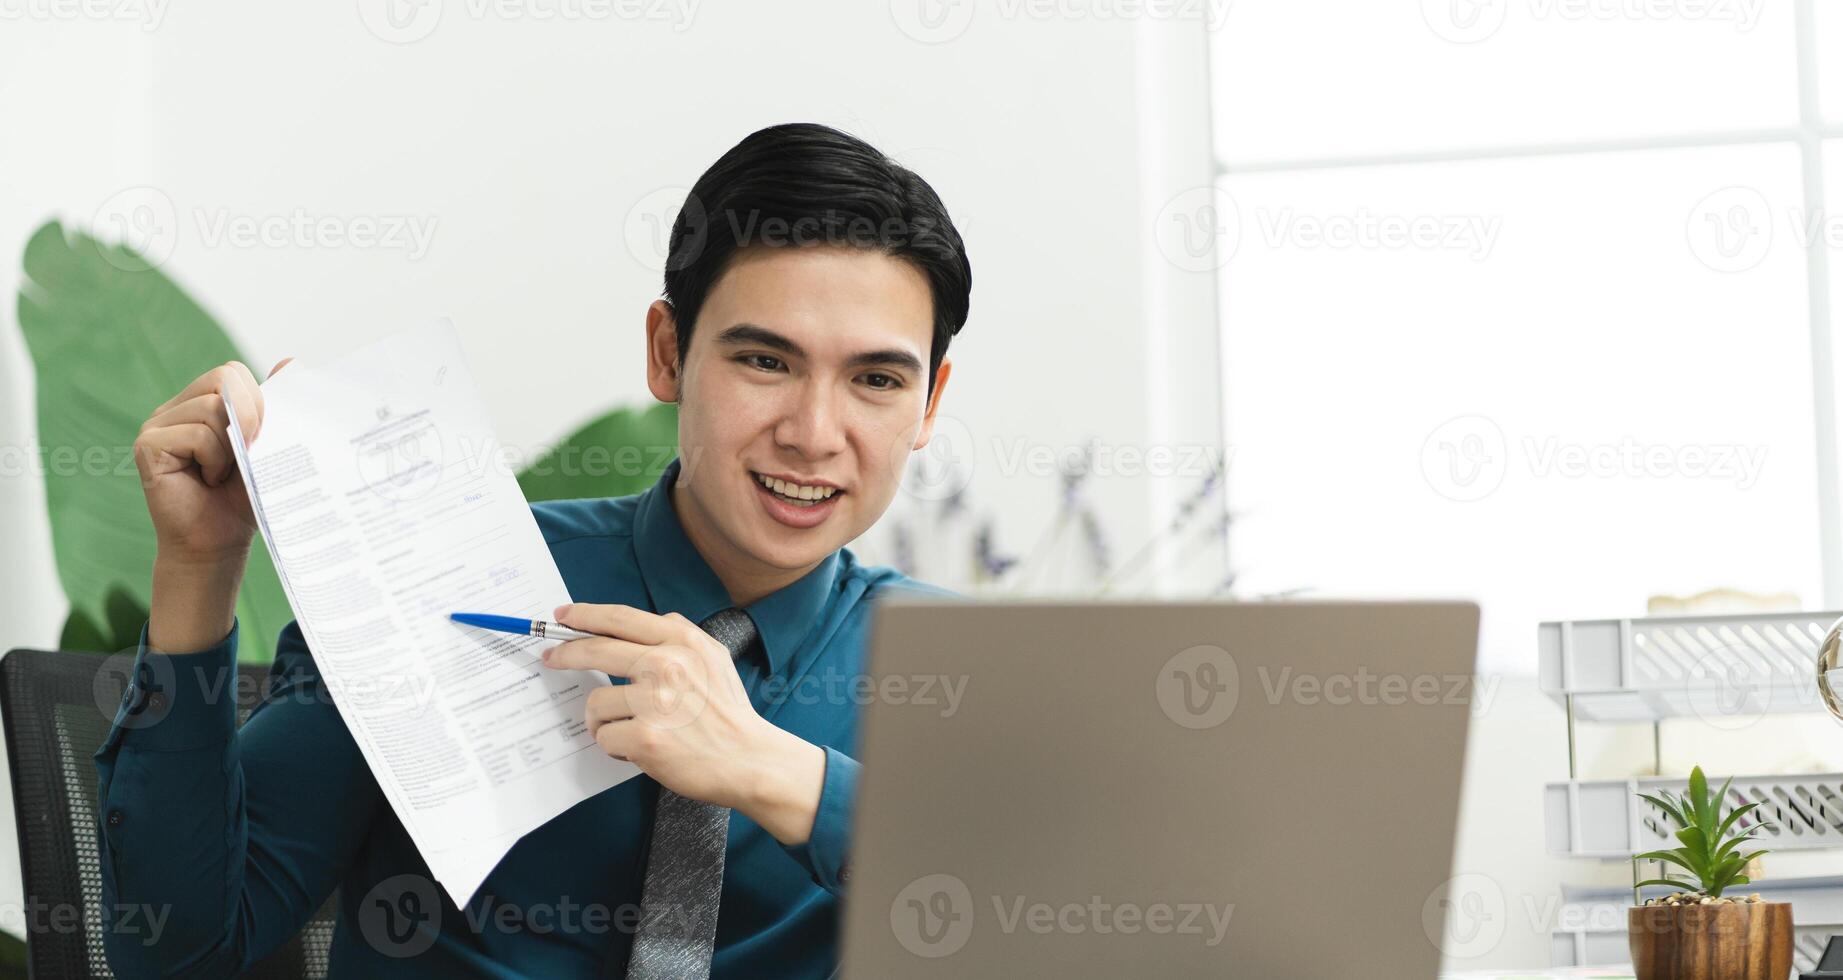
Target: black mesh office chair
52 706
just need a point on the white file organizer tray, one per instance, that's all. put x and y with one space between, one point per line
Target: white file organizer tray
1604 818
1645 669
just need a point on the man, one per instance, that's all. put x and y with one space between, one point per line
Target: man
812 289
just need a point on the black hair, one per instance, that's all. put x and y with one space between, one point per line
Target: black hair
807 184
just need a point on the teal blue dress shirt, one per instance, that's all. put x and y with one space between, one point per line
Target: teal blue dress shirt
239 836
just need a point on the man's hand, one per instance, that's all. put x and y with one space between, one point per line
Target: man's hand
685 719
202 521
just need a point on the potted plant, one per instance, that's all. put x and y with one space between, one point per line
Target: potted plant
1697 932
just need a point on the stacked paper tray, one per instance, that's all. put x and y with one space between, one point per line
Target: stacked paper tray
1605 818
1646 669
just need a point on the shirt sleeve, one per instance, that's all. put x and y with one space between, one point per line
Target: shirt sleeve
219 843
826 852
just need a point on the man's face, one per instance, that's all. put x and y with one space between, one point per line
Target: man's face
803 393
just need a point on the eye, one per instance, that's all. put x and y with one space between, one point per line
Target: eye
883 382
765 362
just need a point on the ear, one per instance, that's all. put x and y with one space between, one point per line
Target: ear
662 374
934 402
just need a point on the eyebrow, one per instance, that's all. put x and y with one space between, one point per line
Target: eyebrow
749 333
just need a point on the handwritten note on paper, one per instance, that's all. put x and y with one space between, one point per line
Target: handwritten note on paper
376 482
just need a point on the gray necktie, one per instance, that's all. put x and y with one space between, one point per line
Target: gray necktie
684 864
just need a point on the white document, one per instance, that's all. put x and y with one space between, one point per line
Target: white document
380 490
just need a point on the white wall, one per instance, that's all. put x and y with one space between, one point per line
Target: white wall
533 152
538 147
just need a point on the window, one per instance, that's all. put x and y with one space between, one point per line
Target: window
1530 318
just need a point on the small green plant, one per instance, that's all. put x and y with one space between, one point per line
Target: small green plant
1711 846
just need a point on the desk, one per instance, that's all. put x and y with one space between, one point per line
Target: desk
1553 973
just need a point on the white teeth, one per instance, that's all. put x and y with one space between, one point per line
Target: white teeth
795 491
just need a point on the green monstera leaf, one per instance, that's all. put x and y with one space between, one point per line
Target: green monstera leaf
121 630
111 338
621 453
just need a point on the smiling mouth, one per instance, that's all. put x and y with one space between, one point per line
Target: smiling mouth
794 493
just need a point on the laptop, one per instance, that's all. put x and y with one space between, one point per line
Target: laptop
1070 790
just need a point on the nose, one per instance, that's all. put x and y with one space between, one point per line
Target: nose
814 425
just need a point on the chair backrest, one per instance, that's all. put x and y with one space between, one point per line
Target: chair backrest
56 707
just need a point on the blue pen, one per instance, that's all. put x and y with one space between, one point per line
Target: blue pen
520 627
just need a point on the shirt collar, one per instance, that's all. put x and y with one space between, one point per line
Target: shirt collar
680 580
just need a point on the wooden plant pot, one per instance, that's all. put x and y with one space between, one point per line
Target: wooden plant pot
1711 942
